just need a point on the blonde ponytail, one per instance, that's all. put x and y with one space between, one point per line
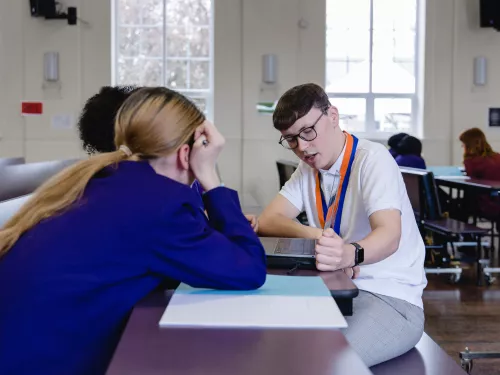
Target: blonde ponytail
55 195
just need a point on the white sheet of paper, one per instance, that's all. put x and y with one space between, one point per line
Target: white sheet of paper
282 302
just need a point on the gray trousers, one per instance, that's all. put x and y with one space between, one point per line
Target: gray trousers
382 328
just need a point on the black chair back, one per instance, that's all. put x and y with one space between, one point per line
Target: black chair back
422 191
285 170
433 206
413 179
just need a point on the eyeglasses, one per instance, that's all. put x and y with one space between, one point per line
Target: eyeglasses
308 134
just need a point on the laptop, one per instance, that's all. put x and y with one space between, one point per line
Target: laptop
290 252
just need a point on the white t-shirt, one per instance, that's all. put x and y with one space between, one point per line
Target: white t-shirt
375 184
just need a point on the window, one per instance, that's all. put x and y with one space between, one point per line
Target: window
371 64
165 43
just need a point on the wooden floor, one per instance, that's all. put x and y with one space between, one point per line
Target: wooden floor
464 315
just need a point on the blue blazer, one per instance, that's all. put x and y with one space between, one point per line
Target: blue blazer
68 285
411 161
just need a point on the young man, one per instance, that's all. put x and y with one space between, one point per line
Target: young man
373 223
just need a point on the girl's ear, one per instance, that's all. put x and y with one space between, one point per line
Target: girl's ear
183 156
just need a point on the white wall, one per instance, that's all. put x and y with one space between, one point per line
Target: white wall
470 104
84 67
452 102
244 30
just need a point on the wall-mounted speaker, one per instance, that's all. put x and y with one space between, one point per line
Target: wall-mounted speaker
48 10
72 16
489 13
42 8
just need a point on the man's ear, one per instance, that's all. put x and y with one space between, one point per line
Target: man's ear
333 114
184 154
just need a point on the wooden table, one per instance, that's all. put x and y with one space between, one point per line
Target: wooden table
147 349
470 184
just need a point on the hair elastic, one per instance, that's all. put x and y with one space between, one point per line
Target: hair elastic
125 150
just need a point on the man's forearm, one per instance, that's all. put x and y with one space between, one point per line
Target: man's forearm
281 226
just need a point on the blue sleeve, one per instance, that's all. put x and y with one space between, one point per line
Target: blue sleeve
197 187
199 191
424 166
223 253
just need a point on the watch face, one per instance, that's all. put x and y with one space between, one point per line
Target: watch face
360 253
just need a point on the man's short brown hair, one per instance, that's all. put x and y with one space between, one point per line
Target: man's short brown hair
297 102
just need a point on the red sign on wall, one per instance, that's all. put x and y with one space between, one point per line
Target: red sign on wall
31 108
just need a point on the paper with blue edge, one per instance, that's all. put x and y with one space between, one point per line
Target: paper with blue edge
289 302
274 285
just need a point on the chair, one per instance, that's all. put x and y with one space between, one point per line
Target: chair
285 170
463 207
422 191
22 179
454 228
467 358
10 207
11 161
450 228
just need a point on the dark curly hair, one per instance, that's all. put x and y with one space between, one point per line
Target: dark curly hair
96 124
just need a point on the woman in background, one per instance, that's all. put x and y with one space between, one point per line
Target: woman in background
409 153
481 162
99 236
97 132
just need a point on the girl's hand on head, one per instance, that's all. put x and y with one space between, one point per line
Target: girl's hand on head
207 146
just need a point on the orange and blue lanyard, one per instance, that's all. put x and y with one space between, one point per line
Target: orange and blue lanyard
322 208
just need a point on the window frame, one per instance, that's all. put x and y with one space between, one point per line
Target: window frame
206 94
370 97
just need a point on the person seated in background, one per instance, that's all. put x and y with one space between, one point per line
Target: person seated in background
393 143
410 153
96 126
374 232
99 236
481 162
